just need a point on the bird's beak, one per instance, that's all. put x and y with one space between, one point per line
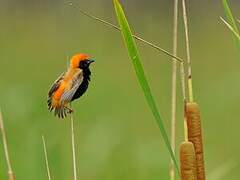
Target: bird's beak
90 61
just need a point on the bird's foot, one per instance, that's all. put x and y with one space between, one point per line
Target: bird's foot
69 110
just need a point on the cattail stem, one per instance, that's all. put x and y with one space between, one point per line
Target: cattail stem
174 89
188 161
46 158
190 89
192 113
195 136
117 28
11 175
183 84
185 20
185 129
73 149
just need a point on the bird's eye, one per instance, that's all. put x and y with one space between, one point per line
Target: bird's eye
83 64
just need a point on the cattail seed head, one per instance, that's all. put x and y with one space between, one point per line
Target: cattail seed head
195 136
188 161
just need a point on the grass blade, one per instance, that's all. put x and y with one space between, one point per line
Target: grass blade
134 56
229 15
231 28
231 21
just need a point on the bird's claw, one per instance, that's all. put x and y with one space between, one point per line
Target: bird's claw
69 110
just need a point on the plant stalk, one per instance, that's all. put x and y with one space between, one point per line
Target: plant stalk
174 89
73 149
46 158
185 20
11 175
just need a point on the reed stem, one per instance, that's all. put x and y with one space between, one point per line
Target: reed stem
174 89
185 20
46 158
11 175
73 149
185 129
183 85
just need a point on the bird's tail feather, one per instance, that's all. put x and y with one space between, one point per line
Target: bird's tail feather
61 112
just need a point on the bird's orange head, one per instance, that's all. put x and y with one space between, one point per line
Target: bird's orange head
78 58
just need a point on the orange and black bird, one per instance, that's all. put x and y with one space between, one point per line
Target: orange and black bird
70 85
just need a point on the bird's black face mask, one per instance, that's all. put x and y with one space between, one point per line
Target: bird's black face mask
85 63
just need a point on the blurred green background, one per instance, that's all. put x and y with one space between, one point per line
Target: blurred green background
117 137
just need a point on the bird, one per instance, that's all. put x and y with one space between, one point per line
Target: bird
70 85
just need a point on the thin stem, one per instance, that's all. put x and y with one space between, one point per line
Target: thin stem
46 158
185 129
10 171
231 28
117 28
183 84
190 88
174 89
183 80
73 149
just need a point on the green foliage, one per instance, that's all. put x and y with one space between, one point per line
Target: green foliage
233 26
134 55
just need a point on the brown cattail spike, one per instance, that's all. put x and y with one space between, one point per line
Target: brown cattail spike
11 176
188 161
195 136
